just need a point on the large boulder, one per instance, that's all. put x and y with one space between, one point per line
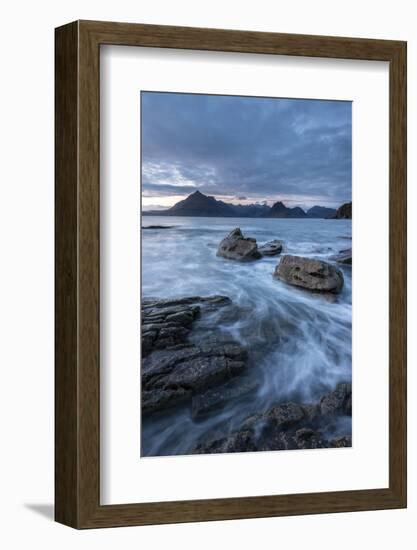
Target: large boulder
272 248
310 274
235 443
343 441
237 247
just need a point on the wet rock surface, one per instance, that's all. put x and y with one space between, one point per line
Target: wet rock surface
237 247
174 370
207 376
311 274
217 397
167 323
344 441
287 426
193 367
272 248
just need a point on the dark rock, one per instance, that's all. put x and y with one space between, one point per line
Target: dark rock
285 414
343 257
344 441
272 248
193 367
173 369
218 397
157 226
235 443
173 376
306 438
159 399
286 426
282 416
237 247
187 300
167 323
311 411
310 274
337 402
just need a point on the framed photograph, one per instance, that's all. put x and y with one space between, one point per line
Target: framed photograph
230 274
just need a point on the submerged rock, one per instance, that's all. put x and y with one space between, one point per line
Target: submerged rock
237 247
287 426
338 401
272 248
235 443
218 397
283 415
344 441
310 274
157 226
159 399
343 257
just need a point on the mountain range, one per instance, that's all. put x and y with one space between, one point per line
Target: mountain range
198 204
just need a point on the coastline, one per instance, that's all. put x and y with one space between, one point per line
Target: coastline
220 429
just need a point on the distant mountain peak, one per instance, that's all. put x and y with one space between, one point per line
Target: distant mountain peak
198 204
279 210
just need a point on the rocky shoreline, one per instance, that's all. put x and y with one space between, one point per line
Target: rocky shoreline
288 426
176 371
208 373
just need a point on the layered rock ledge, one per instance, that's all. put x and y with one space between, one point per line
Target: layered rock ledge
167 323
176 371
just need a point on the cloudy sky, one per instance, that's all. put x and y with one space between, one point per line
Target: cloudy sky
245 149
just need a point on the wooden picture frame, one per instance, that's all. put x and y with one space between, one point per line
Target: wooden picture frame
77 406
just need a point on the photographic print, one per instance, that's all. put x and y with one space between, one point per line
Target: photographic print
246 283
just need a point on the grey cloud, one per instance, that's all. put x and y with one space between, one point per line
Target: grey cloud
245 146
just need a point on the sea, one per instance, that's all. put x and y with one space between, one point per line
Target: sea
299 343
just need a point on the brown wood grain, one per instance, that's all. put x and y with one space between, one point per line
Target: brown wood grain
77 370
66 237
